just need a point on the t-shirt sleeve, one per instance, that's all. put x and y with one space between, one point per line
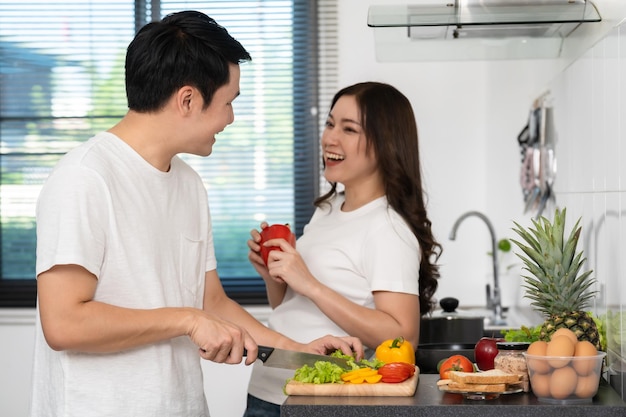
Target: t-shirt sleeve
392 258
71 217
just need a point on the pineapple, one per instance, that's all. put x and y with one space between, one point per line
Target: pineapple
554 285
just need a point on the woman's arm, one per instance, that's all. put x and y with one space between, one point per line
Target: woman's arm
217 302
395 313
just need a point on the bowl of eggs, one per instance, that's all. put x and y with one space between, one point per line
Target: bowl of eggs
564 370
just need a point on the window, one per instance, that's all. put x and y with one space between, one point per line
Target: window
61 81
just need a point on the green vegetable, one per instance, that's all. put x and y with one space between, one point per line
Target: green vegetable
523 334
324 372
363 363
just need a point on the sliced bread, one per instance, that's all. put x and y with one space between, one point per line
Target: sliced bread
456 386
493 376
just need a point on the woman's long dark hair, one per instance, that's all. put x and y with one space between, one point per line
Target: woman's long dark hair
391 131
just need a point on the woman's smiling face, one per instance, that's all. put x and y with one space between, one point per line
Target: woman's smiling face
346 158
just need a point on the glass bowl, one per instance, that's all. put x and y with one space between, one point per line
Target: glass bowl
565 379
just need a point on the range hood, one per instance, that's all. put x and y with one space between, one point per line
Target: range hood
478 29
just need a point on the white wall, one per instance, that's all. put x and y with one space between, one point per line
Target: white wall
590 103
16 350
469 115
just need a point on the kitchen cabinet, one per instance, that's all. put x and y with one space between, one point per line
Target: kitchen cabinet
428 401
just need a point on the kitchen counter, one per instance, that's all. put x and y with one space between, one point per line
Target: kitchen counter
430 401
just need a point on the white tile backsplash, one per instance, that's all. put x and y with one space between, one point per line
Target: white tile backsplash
589 99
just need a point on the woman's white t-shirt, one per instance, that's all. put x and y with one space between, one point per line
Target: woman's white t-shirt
355 253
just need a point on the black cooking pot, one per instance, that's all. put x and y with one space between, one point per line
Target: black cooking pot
449 326
428 355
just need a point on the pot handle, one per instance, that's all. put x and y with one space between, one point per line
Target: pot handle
449 304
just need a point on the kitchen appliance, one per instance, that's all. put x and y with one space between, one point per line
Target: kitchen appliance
450 326
442 30
462 19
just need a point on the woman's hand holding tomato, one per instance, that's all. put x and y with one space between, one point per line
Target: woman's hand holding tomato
273 255
455 363
273 235
275 231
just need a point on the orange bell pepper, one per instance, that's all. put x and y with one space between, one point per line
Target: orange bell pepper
396 350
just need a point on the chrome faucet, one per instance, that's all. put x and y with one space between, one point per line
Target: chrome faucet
494 302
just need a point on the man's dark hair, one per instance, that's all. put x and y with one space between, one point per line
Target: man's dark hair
185 48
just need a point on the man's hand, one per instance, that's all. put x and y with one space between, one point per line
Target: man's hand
222 341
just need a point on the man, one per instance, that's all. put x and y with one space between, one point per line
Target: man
129 299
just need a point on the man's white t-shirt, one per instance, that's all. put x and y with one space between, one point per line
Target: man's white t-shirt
355 253
146 235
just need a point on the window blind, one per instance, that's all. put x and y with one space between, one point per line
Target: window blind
61 81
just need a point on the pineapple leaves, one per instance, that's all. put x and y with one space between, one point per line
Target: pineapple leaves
554 283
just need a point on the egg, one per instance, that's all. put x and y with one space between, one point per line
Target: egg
560 345
538 348
585 348
587 386
564 331
563 382
540 385
582 365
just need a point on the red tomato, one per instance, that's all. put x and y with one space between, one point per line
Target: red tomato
275 231
394 372
455 363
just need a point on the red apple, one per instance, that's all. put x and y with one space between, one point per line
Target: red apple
485 352
275 231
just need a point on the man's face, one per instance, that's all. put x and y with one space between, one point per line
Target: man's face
207 123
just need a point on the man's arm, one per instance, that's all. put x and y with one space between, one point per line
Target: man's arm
217 302
72 320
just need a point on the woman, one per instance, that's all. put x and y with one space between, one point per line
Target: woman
365 264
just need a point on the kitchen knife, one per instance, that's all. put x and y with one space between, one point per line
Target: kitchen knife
291 359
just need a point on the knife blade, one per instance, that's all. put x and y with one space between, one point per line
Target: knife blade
291 359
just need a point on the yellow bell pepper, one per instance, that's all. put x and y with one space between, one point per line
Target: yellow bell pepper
359 376
358 373
396 350
374 379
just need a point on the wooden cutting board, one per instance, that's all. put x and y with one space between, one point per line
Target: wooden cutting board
380 389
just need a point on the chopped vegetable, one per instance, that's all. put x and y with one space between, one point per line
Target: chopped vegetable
396 350
322 372
373 379
358 375
394 372
354 364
